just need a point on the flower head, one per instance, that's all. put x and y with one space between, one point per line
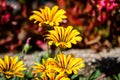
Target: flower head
63 37
43 68
68 64
11 67
59 67
48 16
40 67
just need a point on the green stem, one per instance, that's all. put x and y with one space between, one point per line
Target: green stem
4 78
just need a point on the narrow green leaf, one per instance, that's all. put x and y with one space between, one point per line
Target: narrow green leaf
75 76
45 55
36 58
115 77
119 76
95 74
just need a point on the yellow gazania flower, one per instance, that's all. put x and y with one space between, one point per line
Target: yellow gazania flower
11 67
68 64
48 16
44 68
53 76
40 67
63 37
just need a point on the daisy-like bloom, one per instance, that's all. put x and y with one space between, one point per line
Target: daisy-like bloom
63 37
43 68
40 67
69 64
53 76
48 16
10 66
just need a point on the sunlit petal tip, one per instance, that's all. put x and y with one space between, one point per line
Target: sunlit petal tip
50 42
40 24
79 38
8 77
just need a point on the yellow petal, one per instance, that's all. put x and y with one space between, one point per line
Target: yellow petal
50 42
19 74
6 59
39 15
13 61
7 76
58 14
2 64
36 18
47 12
67 31
69 45
53 11
20 63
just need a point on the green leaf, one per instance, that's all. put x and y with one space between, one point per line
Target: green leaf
115 77
82 78
16 78
95 74
119 76
28 74
37 58
45 55
75 76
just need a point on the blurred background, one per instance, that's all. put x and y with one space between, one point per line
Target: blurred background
97 20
